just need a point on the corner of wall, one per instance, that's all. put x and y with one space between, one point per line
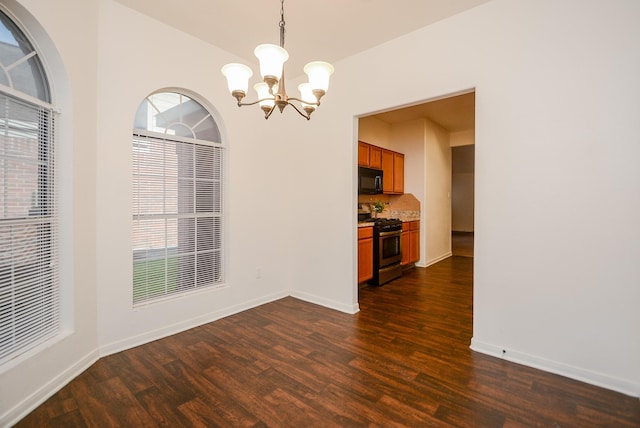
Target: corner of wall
26 406
623 386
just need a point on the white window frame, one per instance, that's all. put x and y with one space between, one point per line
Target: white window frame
30 313
170 269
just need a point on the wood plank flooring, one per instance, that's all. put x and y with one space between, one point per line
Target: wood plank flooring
462 244
402 361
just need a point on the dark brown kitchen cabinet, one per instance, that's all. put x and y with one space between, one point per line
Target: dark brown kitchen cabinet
393 172
369 156
410 242
375 157
398 172
387 171
363 153
365 254
414 247
391 163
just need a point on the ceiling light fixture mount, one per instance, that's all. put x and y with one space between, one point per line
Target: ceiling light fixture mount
271 91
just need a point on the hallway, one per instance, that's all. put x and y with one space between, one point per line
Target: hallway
462 244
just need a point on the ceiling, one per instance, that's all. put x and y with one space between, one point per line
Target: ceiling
456 113
328 30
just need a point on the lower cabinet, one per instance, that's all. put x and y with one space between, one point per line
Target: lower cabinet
410 242
365 254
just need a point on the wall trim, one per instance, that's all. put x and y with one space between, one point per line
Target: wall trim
623 386
46 391
18 412
327 303
435 260
150 336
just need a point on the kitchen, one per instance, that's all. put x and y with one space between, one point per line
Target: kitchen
388 219
412 147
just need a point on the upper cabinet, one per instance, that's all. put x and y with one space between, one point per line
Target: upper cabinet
363 153
392 172
391 163
375 157
369 156
398 172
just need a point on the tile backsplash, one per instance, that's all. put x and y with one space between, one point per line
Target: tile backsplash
405 207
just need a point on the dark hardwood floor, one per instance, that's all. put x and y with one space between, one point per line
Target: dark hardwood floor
462 244
403 360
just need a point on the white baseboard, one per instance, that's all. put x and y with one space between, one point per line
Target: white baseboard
435 260
26 406
184 325
311 298
12 416
623 386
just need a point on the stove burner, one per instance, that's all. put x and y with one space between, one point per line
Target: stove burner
387 224
386 221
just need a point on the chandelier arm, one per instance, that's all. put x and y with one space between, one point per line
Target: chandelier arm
240 104
316 103
306 116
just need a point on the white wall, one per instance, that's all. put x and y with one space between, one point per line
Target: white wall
427 172
552 79
138 56
462 138
115 57
30 378
548 86
409 138
435 230
374 131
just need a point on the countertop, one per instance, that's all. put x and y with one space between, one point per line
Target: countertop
365 224
370 223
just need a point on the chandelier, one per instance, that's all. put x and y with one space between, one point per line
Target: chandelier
271 91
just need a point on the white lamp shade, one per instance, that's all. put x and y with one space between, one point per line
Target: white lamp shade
262 89
272 58
319 72
307 95
237 76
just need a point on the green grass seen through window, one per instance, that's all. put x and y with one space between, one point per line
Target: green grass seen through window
154 278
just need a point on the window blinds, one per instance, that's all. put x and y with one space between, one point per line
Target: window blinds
177 217
29 292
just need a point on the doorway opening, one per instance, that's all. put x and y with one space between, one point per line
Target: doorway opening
430 135
462 199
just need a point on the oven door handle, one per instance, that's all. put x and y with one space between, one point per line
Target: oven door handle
393 232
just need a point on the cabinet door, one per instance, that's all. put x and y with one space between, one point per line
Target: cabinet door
375 157
387 171
414 250
363 154
406 248
398 173
365 259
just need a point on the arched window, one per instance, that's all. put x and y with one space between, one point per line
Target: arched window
29 286
177 198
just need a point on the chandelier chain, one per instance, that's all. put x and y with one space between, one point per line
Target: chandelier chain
282 23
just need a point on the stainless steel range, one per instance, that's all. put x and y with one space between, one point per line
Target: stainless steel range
387 250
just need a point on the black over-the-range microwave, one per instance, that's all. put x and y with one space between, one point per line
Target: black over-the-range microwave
369 181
